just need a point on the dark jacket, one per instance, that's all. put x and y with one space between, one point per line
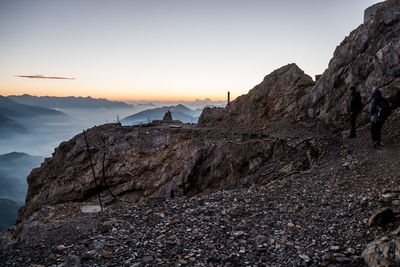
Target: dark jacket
376 98
355 104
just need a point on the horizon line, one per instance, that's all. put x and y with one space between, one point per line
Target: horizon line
130 99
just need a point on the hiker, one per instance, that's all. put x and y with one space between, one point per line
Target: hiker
355 106
380 111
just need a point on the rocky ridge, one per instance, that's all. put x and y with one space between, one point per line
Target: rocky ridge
157 161
281 94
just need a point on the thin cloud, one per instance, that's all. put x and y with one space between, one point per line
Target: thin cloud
43 77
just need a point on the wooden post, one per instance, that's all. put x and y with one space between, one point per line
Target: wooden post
229 97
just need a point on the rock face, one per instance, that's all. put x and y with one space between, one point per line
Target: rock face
282 94
383 252
369 57
162 161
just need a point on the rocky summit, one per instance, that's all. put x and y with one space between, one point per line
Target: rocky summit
269 180
281 94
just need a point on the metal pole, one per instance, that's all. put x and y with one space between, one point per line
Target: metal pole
94 175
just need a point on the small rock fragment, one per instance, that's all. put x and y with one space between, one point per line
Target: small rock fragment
107 254
304 257
237 233
183 261
175 221
72 261
63 247
147 259
98 245
88 255
396 202
334 248
90 208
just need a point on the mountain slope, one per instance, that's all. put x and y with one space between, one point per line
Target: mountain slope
8 127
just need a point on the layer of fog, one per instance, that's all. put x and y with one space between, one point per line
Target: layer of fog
45 134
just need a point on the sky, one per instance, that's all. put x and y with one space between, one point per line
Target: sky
164 49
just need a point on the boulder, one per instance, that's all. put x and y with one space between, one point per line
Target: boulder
383 252
211 116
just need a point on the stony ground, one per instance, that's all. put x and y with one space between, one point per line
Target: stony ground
315 217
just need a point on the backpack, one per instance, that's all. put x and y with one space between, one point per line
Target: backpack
383 109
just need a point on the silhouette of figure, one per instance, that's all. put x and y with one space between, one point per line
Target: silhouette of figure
379 109
355 106
167 116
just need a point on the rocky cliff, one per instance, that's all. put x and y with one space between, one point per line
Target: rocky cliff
281 94
160 161
368 58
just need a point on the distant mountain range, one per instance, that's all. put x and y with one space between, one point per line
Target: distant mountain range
14 168
68 102
15 117
12 109
179 112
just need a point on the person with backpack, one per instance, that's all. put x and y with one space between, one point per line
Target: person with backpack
355 106
380 110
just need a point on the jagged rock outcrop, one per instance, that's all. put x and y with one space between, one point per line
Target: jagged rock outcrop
383 252
369 57
162 161
281 94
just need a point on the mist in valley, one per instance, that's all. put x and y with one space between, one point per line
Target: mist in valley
44 134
